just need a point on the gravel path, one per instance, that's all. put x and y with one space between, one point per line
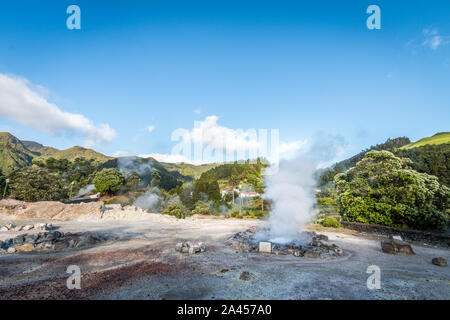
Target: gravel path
142 264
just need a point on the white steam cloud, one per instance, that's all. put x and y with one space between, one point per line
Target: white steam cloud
86 190
291 189
150 200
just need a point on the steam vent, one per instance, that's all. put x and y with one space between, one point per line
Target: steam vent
308 245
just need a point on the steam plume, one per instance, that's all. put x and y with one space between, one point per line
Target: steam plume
291 189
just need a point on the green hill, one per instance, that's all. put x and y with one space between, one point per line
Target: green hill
38 149
16 154
438 138
144 167
187 169
73 153
13 154
429 155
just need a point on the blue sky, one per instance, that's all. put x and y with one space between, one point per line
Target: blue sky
297 66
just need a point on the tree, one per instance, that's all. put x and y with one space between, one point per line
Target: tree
133 180
176 209
209 188
201 208
37 184
108 181
156 179
383 189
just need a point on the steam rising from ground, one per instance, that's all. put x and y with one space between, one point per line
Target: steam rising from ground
150 200
85 190
291 189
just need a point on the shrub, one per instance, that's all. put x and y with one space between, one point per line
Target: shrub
330 222
383 189
176 209
108 181
37 184
201 208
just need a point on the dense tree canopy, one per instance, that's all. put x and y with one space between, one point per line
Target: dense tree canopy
37 184
108 181
384 189
431 159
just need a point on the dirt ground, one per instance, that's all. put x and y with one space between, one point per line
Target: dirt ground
141 263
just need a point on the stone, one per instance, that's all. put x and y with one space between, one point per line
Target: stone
338 251
179 247
11 250
4 228
321 237
245 276
439 261
73 243
393 246
265 247
396 237
19 240
31 238
185 250
40 226
312 254
25 247
27 228
202 246
297 253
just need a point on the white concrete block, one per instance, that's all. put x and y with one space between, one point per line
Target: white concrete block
265 247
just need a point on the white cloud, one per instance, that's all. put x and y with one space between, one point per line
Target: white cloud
150 128
120 153
210 134
432 39
170 158
197 111
27 105
288 150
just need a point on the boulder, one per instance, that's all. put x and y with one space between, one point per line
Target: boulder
27 227
393 246
19 240
312 254
179 246
245 276
321 237
439 261
25 247
11 250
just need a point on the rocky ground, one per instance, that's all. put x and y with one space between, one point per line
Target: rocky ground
146 256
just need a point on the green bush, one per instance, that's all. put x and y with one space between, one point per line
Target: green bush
330 222
108 181
383 189
201 208
37 184
176 209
